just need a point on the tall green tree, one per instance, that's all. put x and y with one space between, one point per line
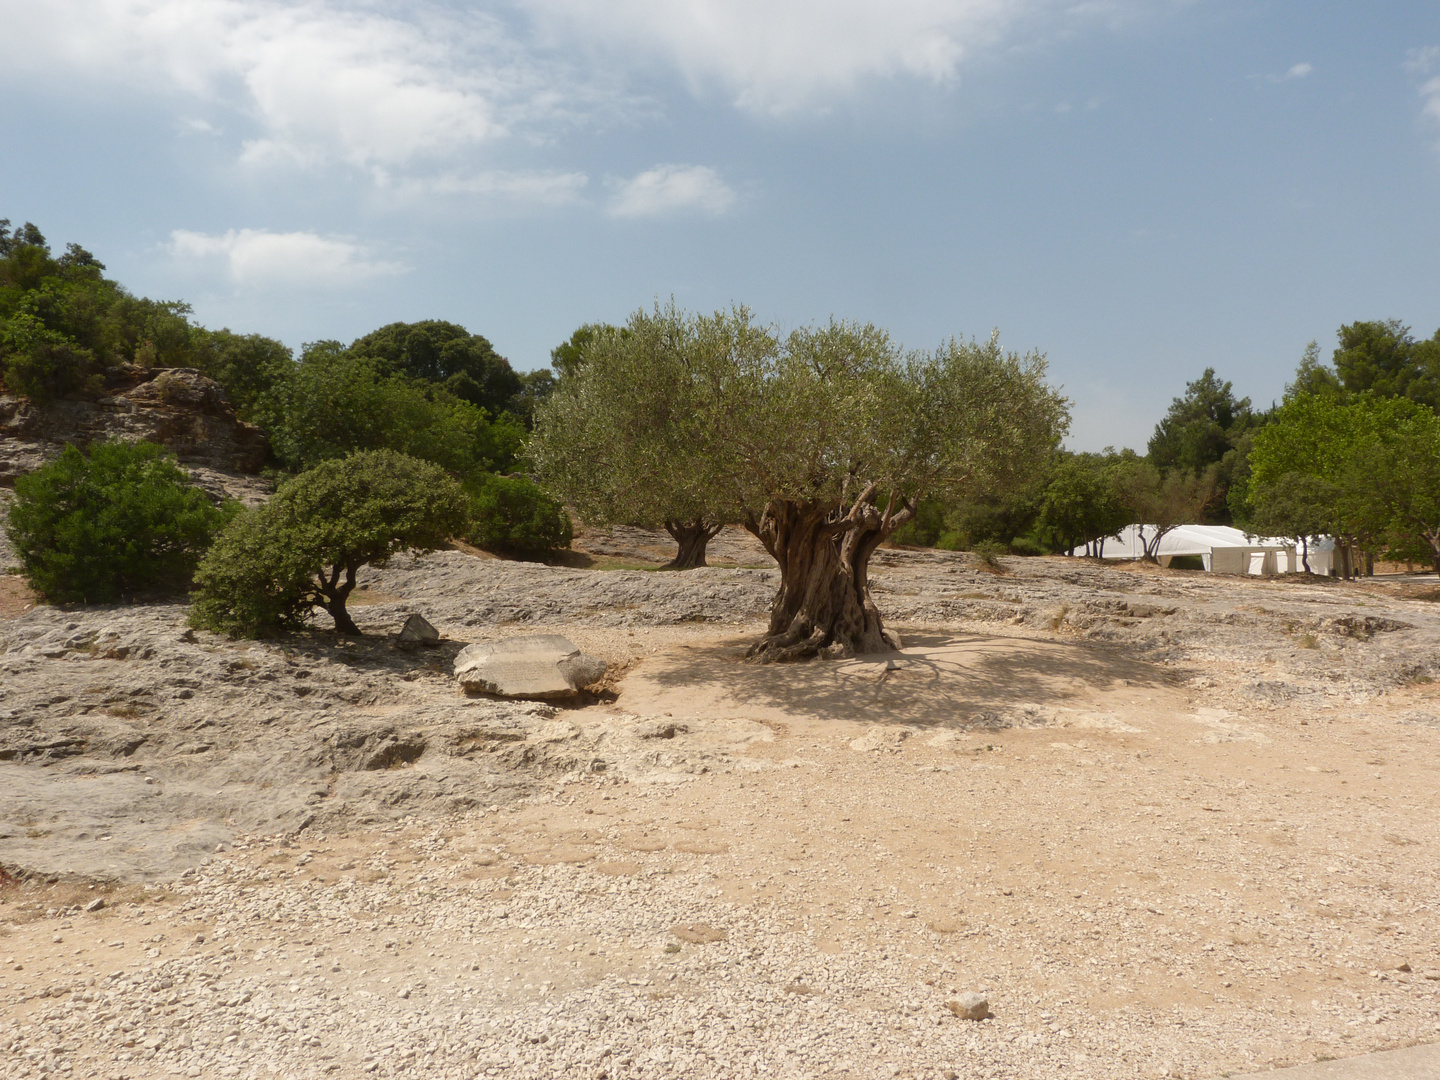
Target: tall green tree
824 441
447 354
335 402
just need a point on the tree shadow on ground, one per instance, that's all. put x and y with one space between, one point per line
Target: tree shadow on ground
937 680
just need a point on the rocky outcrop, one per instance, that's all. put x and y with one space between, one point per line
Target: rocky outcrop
181 409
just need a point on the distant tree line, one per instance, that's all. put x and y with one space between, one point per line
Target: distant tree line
1351 452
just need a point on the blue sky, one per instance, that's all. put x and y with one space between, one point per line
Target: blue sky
1137 188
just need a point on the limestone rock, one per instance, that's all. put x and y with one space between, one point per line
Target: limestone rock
537 667
180 408
971 1006
418 631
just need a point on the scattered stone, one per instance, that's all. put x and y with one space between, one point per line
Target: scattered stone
698 933
96 904
971 1006
418 631
538 667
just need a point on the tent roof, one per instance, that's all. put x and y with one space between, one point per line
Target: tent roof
1187 540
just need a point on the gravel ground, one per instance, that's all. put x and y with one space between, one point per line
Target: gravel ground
1169 825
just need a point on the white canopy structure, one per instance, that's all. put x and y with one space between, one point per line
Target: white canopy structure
1222 550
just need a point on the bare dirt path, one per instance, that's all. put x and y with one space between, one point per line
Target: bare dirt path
1156 833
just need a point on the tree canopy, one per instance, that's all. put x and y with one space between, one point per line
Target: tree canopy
821 443
303 548
335 402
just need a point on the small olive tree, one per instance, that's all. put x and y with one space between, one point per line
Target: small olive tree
626 441
822 444
303 548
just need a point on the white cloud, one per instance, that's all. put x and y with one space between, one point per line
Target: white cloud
368 84
1299 71
1421 63
258 257
545 188
668 189
781 55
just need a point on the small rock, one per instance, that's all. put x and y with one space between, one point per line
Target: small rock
698 933
658 729
970 1007
96 904
418 631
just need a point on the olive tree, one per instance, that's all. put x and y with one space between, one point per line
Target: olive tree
303 548
821 443
621 440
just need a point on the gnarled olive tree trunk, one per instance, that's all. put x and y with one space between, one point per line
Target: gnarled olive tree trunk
823 607
693 537
331 594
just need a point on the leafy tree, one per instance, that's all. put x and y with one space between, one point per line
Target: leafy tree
303 548
824 443
514 516
1199 427
567 357
63 324
334 402
600 445
1078 502
1161 503
447 354
1349 448
1296 505
89 528
1377 357
247 366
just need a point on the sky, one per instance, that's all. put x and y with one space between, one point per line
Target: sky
1138 189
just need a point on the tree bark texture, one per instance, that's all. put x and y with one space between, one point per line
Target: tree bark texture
332 594
693 537
823 606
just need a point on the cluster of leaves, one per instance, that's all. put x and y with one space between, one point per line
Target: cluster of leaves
336 401
121 520
63 323
1365 469
304 547
512 515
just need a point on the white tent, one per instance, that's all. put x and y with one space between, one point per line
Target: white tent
1222 550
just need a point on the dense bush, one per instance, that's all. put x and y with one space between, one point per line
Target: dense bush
123 519
513 516
303 548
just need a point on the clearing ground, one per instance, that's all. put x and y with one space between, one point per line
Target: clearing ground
1169 824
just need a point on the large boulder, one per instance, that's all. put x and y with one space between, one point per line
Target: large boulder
537 667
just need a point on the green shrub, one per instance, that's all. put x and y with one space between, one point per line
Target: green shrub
125 518
514 516
1024 545
303 548
988 553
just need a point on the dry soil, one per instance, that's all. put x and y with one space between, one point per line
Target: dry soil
1168 824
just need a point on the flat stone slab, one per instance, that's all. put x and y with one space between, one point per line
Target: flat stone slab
537 667
1411 1063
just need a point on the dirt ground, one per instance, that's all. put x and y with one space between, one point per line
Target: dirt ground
1168 824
